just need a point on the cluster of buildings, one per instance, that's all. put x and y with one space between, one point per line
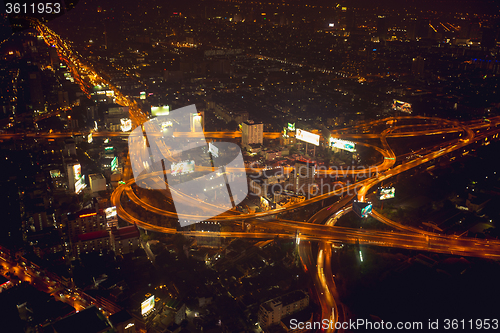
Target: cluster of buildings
276 189
55 202
97 231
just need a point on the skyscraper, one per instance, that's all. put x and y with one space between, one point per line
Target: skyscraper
252 133
422 28
382 28
303 177
36 92
418 66
488 37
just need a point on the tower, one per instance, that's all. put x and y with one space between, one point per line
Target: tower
303 177
418 66
382 28
252 133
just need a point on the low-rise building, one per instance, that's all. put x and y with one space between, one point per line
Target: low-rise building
97 182
272 311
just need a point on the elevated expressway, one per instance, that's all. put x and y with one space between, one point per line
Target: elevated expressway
383 171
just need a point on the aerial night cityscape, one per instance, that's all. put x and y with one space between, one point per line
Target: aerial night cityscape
243 166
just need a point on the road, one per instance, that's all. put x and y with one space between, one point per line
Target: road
326 292
24 273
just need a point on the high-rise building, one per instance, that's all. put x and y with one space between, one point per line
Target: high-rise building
86 231
303 177
54 58
350 20
11 203
252 133
124 240
382 28
8 91
98 241
262 186
36 91
471 30
85 221
488 37
69 148
62 98
422 28
418 66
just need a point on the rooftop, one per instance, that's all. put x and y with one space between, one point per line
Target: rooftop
310 164
90 320
128 232
251 122
120 317
96 176
174 304
3 280
285 300
93 235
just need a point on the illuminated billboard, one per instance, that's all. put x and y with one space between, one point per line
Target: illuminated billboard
367 210
160 110
387 193
55 173
362 209
291 127
182 168
401 106
166 124
196 121
78 178
110 212
343 144
80 185
114 164
142 95
213 150
307 137
77 171
264 203
147 305
126 124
